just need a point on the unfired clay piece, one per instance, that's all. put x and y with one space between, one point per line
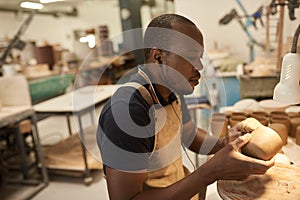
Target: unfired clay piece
264 144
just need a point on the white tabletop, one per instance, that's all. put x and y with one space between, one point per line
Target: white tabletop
77 100
11 111
9 114
292 150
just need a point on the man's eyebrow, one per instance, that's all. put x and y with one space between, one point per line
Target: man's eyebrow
198 53
193 51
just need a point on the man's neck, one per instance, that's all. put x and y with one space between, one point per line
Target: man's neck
164 92
156 79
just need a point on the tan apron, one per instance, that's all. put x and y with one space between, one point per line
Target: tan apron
167 146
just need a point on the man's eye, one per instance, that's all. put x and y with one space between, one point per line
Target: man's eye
191 58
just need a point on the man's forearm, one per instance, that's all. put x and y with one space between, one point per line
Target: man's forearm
206 144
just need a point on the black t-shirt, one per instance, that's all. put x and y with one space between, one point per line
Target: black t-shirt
125 125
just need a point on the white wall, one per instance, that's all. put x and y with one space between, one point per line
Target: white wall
60 30
207 13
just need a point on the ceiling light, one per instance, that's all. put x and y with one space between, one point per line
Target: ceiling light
31 5
90 39
50 1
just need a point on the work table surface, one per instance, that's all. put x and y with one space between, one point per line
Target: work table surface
77 100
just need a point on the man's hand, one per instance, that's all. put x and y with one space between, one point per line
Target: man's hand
232 135
230 164
246 126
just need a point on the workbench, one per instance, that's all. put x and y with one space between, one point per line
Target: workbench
10 116
258 87
44 88
76 103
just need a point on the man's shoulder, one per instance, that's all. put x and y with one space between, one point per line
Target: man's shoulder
127 97
128 94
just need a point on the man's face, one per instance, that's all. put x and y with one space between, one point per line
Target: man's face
185 60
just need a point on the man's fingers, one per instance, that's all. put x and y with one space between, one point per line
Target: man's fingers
236 127
233 135
241 141
261 166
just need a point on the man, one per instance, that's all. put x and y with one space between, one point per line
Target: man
146 122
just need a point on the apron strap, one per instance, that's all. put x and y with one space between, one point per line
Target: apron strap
144 92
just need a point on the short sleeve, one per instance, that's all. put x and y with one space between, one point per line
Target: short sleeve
121 145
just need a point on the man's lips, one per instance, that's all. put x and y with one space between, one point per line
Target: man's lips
194 82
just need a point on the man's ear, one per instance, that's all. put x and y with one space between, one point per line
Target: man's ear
156 55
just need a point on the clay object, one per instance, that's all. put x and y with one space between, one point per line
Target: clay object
293 114
280 182
219 126
281 130
238 114
248 125
264 144
278 113
281 119
218 114
259 113
228 113
234 120
298 135
295 122
263 120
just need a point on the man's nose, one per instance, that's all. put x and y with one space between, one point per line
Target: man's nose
198 65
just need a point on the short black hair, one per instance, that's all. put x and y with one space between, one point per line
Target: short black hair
154 38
